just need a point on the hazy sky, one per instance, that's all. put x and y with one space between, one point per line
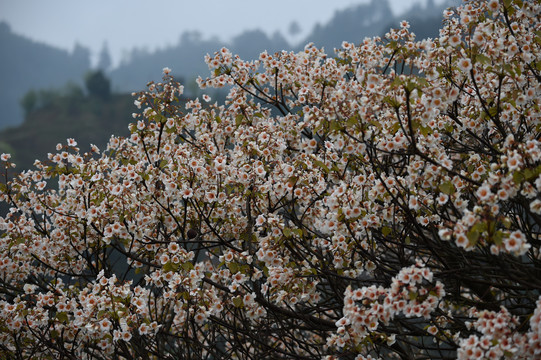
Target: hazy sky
125 24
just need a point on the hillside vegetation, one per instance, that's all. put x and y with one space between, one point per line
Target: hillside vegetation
88 119
47 92
26 64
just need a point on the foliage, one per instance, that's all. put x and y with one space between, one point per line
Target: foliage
98 85
29 102
104 61
26 64
35 100
372 214
59 114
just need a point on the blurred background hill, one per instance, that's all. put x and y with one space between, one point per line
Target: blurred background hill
26 64
46 97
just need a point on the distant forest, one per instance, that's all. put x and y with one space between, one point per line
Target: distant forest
352 24
44 93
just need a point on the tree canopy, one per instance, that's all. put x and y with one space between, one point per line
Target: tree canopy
98 85
380 203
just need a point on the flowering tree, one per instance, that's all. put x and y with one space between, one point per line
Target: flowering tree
384 203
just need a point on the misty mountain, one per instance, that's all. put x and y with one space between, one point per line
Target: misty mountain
36 75
26 64
425 21
90 119
352 24
356 22
186 59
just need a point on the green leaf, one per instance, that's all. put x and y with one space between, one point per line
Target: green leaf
246 236
187 266
497 238
447 188
518 177
410 86
167 267
483 59
237 302
422 81
238 119
394 128
297 232
393 44
353 120
473 236
480 226
322 165
425 130
509 69
245 269
530 174
493 111
475 232
335 126
62 317
391 101
233 267
397 81
287 232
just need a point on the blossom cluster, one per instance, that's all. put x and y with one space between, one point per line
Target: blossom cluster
368 307
381 202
